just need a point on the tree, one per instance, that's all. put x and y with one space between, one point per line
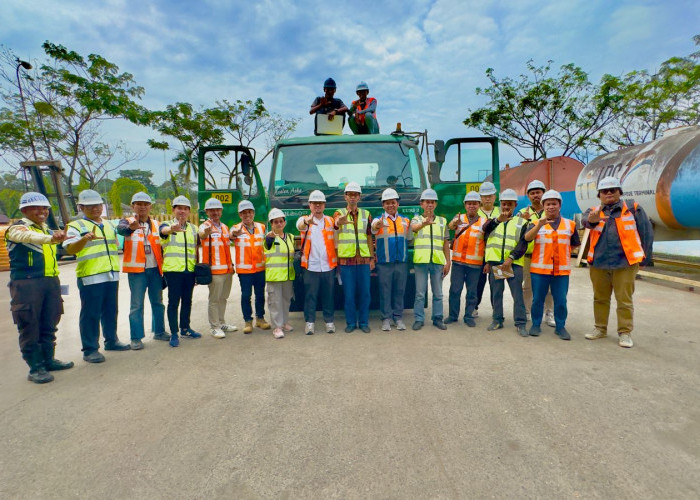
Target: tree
539 113
121 192
145 177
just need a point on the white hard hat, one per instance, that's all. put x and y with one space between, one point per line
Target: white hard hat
89 197
551 195
275 213
361 86
509 195
33 199
181 201
487 188
536 184
609 183
141 196
213 203
353 187
389 194
317 196
245 205
472 196
428 194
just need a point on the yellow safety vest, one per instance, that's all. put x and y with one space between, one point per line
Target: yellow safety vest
351 237
503 240
535 217
179 249
98 255
279 259
429 242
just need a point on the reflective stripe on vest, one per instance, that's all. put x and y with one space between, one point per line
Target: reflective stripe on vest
219 256
360 117
98 255
495 212
250 257
178 248
134 248
350 236
328 238
23 264
279 259
503 240
392 240
550 244
626 231
428 243
469 247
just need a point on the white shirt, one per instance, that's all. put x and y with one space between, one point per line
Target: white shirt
318 256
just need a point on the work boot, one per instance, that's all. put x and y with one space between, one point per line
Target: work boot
136 345
549 318
522 331
625 340
365 329
51 363
262 324
248 328
386 325
439 324
94 357
562 333
161 336
117 346
535 331
174 340
400 325
308 328
189 332
450 319
349 328
495 325
596 334
417 325
470 321
37 369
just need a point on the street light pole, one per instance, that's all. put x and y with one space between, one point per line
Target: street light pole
26 66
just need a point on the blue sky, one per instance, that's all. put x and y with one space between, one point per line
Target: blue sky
422 59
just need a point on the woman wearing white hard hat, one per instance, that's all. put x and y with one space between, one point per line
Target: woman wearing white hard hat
279 272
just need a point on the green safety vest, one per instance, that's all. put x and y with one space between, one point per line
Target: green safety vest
279 259
24 264
533 220
503 240
351 237
428 243
494 213
99 255
180 249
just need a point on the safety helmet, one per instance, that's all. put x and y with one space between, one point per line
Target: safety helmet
89 197
275 213
536 184
33 199
551 195
353 187
428 194
609 183
317 196
362 86
141 196
213 203
329 83
472 196
487 188
389 194
509 195
245 205
181 201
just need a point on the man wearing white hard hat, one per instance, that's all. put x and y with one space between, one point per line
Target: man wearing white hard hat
216 251
392 232
248 237
489 210
363 112
143 264
555 237
279 272
180 241
319 260
93 240
35 289
621 241
533 213
355 257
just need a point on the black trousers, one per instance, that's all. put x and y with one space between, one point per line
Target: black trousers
315 284
36 306
98 306
180 288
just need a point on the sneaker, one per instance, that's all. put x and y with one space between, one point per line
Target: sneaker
450 320
495 325
288 328
439 324
400 325
549 318
330 327
596 334
535 331
625 340
417 325
174 340
470 322
386 325
248 328
278 333
349 329
218 333
94 357
117 346
308 329
189 332
228 328
365 329
136 345
562 333
161 336
522 331
262 324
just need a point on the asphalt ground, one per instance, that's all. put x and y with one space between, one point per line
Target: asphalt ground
463 413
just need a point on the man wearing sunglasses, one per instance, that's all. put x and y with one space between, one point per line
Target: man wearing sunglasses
621 240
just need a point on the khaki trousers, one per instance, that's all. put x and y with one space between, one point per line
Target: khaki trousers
219 290
279 296
607 281
527 289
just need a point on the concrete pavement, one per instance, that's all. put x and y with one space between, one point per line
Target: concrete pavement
461 413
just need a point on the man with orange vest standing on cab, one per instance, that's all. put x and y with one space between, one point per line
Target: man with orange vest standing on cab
363 112
249 237
554 238
621 240
143 262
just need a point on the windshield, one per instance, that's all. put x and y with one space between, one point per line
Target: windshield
374 166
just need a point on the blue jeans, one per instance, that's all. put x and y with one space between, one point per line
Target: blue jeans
98 306
138 283
356 285
460 275
249 282
422 272
559 285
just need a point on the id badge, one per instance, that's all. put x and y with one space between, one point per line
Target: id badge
148 249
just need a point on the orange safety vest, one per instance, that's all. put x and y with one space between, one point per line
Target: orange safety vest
626 230
328 238
216 250
360 118
469 247
552 251
250 253
135 248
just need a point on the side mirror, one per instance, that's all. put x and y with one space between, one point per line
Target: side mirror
434 172
439 151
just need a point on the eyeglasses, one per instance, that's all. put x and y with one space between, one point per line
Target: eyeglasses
609 191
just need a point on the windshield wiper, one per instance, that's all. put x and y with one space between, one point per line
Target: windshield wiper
292 197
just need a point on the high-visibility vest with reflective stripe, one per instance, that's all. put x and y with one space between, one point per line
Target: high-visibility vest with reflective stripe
429 242
134 248
469 246
98 255
534 217
360 117
328 238
495 212
351 237
551 245
392 240
180 249
28 260
503 240
626 230
250 257
216 250
279 259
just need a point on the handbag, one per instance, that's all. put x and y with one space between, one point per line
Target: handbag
202 270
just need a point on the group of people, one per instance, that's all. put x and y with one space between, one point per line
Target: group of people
362 113
530 250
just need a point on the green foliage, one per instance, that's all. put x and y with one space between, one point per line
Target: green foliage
9 202
121 192
145 177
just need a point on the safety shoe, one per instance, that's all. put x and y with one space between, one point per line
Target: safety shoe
450 319
161 336
549 318
417 325
469 321
94 357
330 327
288 328
495 325
365 329
248 328
278 333
218 333
174 340
308 328
117 346
400 325
439 324
228 328
136 345
55 365
39 375
625 340
535 331
349 329
386 325
562 333
262 324
189 332
522 331
596 334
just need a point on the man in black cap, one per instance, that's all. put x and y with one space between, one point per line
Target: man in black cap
327 104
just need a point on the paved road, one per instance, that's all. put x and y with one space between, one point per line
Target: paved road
462 413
